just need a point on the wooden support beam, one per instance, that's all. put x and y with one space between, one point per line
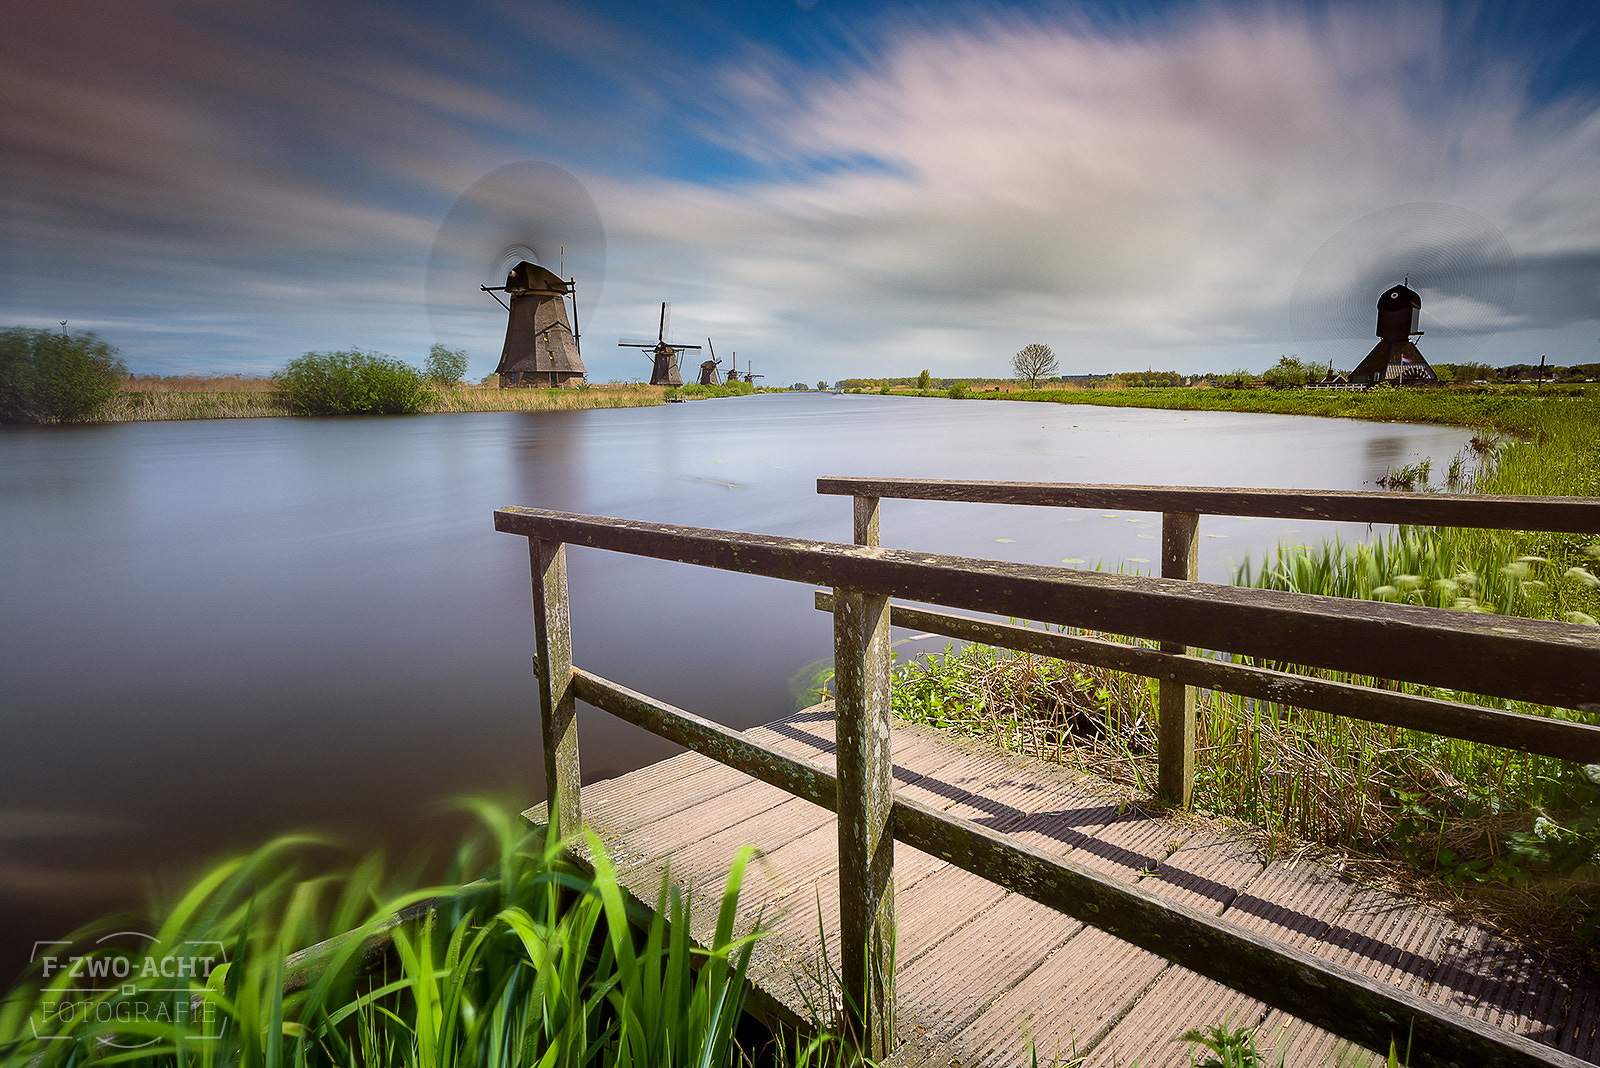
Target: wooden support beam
552 668
1180 559
866 521
866 829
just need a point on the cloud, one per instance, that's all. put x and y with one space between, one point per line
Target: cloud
1112 194
226 185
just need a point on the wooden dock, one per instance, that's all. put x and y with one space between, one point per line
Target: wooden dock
981 971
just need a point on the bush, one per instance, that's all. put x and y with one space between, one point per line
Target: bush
352 383
957 391
49 377
447 367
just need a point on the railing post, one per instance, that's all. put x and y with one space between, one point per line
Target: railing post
552 667
865 801
1180 559
866 520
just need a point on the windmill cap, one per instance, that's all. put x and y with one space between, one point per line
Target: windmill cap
1399 297
528 277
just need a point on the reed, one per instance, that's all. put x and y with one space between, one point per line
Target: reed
546 400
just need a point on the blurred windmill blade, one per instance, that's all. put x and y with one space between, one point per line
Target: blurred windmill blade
524 211
638 342
1458 263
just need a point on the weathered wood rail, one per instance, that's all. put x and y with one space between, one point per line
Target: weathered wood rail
1551 663
1177 670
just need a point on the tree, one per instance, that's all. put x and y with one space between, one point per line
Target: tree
1034 362
445 366
821 384
48 377
1289 372
923 379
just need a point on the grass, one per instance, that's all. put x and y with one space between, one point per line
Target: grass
152 398
515 958
1512 837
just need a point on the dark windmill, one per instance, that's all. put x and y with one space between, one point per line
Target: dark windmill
541 348
733 369
708 368
664 371
1396 358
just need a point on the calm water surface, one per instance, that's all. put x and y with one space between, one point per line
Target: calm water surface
214 631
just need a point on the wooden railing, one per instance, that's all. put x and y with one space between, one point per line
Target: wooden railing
1174 666
1533 660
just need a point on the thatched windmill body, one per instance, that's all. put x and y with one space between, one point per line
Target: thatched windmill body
541 348
1395 358
664 354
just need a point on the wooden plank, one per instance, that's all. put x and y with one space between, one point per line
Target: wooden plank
1291 979
1180 559
1575 515
1178 1001
552 669
1579 742
1534 660
1104 974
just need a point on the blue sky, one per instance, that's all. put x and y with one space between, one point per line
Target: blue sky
828 189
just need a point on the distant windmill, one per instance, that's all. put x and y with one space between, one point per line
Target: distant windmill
733 368
749 375
1396 358
1456 259
708 369
664 371
541 347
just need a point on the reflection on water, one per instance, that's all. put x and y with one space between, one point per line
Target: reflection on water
217 630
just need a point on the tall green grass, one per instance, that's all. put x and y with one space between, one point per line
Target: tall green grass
515 958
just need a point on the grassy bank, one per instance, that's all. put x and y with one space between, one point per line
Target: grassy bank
148 398
1523 830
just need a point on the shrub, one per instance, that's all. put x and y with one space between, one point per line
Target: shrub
49 377
446 367
957 391
352 383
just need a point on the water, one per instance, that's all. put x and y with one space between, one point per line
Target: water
214 631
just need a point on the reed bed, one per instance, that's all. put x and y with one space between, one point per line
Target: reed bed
154 405
546 400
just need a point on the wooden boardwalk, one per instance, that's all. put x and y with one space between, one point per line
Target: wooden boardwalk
981 970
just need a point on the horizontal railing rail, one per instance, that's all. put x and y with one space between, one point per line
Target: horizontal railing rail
1181 508
1569 515
1523 731
1528 659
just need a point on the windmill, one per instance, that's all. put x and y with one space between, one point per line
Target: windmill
749 375
664 372
733 368
541 347
708 369
1395 358
1454 258
512 224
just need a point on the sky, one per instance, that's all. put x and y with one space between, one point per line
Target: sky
826 188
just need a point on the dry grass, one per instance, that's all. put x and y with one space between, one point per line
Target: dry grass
150 405
477 399
199 384
151 398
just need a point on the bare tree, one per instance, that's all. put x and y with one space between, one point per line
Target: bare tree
1034 362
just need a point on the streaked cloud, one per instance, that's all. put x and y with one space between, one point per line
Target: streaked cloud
223 186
